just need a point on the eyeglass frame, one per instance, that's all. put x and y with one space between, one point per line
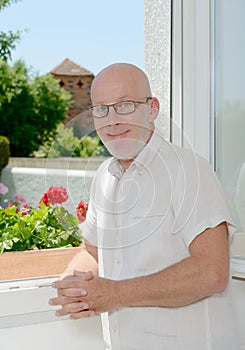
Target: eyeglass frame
142 101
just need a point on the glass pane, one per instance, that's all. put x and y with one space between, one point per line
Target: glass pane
229 26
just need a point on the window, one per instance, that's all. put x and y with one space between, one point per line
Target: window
197 69
229 103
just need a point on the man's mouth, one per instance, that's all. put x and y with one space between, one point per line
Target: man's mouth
118 135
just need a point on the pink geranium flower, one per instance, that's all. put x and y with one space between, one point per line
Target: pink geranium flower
81 211
3 189
44 199
54 195
19 197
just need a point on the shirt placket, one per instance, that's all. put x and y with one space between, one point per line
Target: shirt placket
118 258
117 261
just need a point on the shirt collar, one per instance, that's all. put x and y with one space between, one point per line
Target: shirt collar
142 160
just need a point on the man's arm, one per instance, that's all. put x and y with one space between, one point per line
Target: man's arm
202 274
85 260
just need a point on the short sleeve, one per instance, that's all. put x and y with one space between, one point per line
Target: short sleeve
201 200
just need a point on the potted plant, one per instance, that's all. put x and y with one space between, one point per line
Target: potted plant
38 241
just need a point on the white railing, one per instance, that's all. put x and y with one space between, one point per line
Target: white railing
28 322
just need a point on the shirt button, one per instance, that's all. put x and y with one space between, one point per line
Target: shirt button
114 328
118 261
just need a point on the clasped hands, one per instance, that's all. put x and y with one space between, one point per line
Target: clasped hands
83 295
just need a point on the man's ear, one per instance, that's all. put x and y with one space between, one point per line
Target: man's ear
154 109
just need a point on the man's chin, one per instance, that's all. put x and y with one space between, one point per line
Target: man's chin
125 150
121 155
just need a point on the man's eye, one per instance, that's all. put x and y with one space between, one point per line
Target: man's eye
124 104
101 109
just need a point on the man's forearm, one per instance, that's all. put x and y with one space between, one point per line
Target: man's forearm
82 261
181 284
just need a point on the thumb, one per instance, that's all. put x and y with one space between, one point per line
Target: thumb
86 276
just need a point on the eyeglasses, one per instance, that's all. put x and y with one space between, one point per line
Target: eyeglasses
122 107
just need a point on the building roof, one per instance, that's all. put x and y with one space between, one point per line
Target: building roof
68 67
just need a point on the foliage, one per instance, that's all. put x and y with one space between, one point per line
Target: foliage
62 144
4 152
48 226
44 228
30 108
7 43
6 3
8 39
88 146
65 144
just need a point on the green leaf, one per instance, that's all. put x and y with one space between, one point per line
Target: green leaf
44 227
8 244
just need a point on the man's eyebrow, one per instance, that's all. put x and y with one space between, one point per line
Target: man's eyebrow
121 98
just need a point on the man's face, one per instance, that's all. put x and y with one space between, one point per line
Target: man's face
123 135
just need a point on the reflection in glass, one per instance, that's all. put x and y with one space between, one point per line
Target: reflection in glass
229 29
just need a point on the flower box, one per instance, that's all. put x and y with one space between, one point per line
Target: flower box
35 263
38 242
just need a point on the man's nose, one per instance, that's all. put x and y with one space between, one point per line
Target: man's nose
113 117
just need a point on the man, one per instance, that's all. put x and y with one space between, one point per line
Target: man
159 228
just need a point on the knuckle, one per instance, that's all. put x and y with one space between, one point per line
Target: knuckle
85 306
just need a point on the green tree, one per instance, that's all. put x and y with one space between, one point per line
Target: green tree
30 107
8 39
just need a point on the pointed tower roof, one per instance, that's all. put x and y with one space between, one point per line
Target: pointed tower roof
68 67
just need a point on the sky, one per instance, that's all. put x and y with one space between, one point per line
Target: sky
92 33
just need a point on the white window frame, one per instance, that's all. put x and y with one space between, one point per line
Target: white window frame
191 76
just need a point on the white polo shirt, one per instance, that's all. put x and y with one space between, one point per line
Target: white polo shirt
142 221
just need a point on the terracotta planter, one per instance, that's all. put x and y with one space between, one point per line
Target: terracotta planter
35 263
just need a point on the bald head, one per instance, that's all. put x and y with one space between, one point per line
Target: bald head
120 80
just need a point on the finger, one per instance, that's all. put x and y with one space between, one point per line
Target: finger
63 300
61 312
73 292
85 275
76 307
75 282
82 314
60 292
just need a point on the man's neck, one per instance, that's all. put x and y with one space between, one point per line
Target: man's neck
127 162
